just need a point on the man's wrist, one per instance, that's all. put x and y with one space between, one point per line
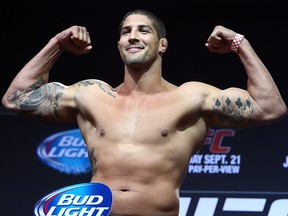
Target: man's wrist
236 42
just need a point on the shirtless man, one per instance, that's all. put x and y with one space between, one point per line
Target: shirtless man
141 134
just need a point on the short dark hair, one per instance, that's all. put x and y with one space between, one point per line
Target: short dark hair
156 21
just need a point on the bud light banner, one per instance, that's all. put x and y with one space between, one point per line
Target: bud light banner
93 199
65 151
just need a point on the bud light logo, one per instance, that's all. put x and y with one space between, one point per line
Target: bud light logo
65 152
89 199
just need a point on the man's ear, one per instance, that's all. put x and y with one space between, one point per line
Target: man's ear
163 45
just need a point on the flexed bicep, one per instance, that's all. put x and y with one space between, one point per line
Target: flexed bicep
232 107
42 102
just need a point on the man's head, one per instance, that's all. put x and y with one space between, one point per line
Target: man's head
156 22
142 38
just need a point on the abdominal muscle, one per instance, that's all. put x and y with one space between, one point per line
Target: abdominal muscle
138 196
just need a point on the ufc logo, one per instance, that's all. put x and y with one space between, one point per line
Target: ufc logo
206 206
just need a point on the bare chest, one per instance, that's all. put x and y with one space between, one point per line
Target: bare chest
141 120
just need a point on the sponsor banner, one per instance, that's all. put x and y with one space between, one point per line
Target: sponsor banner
93 199
218 159
227 203
240 160
66 152
224 152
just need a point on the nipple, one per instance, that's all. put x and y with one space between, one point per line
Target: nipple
102 132
164 133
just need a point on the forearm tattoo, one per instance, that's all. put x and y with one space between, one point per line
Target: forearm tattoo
92 160
229 110
42 101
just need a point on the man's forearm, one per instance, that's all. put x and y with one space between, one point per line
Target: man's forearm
260 84
34 74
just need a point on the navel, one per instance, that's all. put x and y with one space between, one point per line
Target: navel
164 133
102 132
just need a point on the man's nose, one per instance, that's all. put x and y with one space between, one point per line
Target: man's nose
133 36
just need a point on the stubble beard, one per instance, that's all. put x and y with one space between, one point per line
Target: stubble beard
134 60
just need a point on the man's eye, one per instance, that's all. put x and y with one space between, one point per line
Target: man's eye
145 31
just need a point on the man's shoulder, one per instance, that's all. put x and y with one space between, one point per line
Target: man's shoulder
195 85
93 82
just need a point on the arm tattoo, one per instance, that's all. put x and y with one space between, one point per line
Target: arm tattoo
41 101
100 85
18 95
233 111
92 160
38 83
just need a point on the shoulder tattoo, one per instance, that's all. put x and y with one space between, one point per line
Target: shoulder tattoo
105 88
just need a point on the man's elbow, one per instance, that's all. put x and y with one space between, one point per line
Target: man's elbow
279 112
5 102
8 105
283 111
